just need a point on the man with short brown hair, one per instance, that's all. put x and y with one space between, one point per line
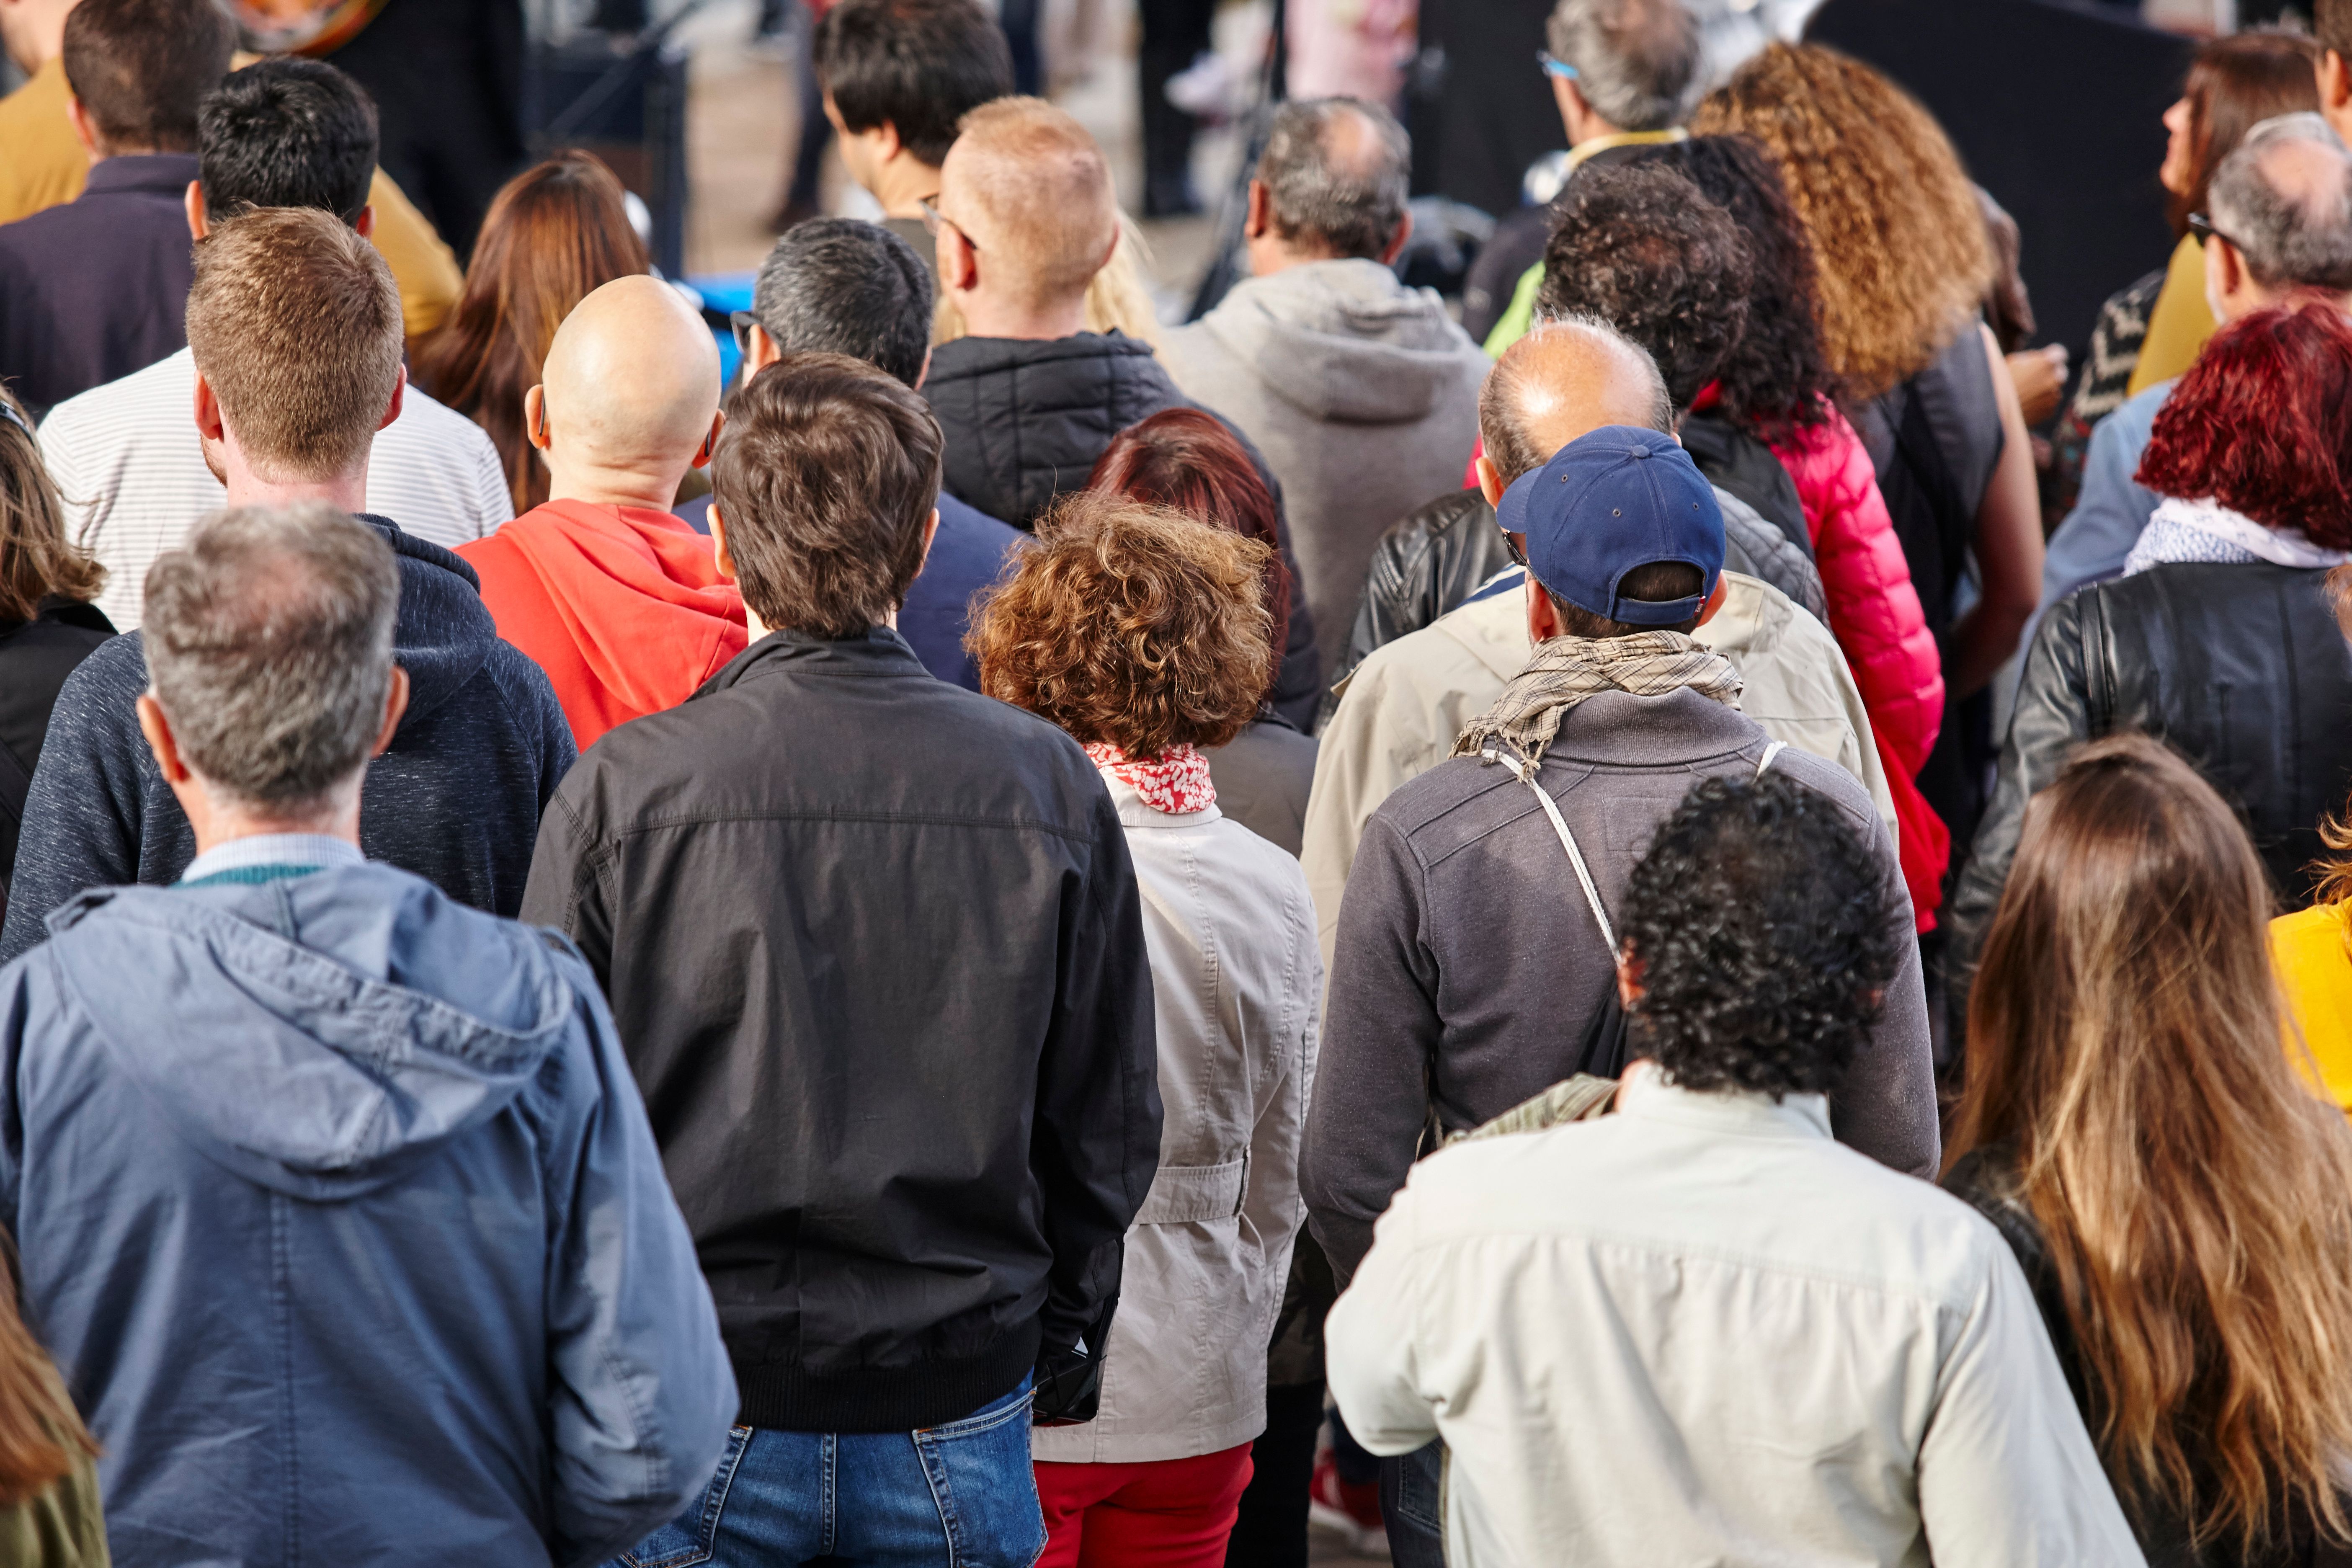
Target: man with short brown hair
875 948
91 290
295 324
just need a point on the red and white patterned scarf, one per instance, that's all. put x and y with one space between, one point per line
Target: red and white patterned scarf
1174 784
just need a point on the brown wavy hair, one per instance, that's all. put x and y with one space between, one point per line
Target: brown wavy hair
37 560
41 1434
555 234
1130 625
1187 459
2196 1196
1898 235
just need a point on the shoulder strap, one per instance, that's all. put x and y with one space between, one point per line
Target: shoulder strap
1771 752
1527 775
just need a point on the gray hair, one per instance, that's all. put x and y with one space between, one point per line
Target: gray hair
1349 203
268 640
1502 401
1637 62
834 285
2297 236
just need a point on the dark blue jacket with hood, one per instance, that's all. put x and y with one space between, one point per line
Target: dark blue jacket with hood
455 799
341 1215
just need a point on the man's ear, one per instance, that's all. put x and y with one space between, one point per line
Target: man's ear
1397 240
399 397
923 374
160 741
709 441
365 224
2335 80
84 131
1490 483
959 262
1543 615
725 561
1713 600
534 416
199 225
1629 979
764 353
208 410
1259 217
396 704
931 536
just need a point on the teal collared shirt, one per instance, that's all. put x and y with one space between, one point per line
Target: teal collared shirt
268 857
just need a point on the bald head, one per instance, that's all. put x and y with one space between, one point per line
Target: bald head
1566 379
1027 185
1337 172
631 388
2284 201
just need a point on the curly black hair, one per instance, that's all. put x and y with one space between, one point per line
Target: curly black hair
1778 379
1762 922
1637 246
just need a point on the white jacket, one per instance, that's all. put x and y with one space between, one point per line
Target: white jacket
1236 988
1699 1331
1401 708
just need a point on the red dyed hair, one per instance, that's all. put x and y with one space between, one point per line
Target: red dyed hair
2257 423
1187 459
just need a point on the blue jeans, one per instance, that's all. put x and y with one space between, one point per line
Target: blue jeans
958 1496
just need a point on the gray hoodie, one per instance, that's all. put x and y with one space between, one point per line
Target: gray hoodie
340 1212
1362 392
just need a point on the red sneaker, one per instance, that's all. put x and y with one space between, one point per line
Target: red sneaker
1350 1511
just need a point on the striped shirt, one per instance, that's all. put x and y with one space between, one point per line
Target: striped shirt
128 460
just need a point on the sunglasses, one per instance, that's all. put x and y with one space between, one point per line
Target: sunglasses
933 218
2203 228
1557 68
8 412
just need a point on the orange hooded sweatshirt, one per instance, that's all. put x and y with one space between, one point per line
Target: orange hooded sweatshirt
621 605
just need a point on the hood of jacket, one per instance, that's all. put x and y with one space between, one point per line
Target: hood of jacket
639 593
1026 418
317 1035
444 632
1344 341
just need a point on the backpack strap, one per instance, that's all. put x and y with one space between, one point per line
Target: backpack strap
1771 752
1527 771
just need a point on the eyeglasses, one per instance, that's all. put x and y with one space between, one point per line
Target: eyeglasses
1557 68
2203 228
742 322
8 412
933 218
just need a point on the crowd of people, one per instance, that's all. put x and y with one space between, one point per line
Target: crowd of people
1615 922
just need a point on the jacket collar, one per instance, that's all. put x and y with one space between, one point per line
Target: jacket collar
167 172
1649 1096
1133 812
880 652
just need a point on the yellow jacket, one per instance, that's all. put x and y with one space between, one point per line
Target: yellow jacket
2311 950
45 165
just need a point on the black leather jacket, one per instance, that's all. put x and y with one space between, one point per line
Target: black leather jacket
2241 669
1433 558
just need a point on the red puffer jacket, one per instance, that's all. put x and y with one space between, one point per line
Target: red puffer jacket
1875 616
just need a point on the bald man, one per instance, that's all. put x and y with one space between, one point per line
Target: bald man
1362 394
1401 709
1029 398
619 601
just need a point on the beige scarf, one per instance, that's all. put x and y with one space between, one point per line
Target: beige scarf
1566 670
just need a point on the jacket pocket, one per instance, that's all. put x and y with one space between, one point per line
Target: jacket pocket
1181 1194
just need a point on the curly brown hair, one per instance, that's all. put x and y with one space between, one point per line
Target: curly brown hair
1898 232
1130 625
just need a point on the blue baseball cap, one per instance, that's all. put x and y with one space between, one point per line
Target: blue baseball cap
1608 503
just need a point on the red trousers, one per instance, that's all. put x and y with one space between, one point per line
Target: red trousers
1169 1513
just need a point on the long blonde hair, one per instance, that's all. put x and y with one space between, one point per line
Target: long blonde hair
1897 231
2123 1046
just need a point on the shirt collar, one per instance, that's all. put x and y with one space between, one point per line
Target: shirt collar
1591 144
317 849
167 171
1649 1096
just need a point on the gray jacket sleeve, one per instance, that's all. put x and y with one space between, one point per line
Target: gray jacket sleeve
1886 1107
640 1392
1380 1030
